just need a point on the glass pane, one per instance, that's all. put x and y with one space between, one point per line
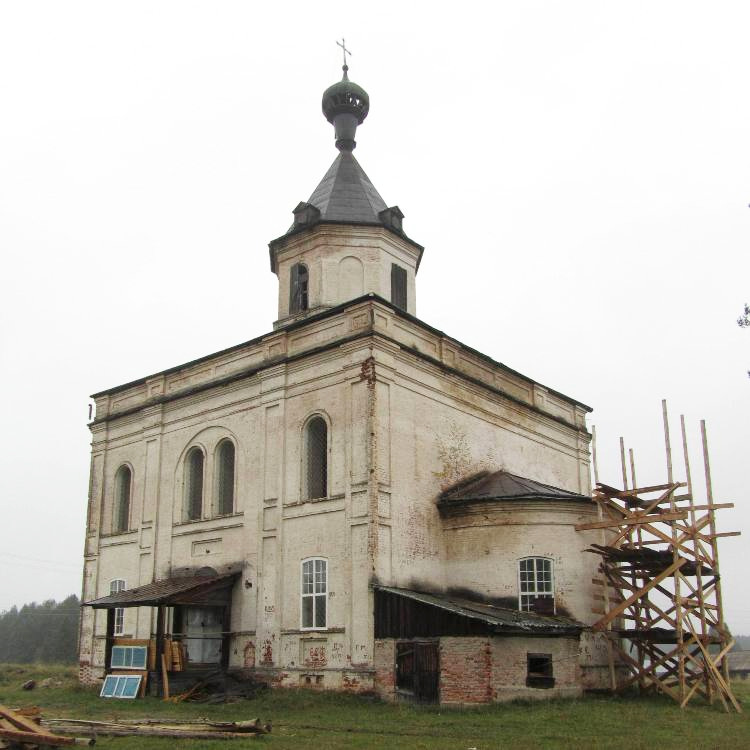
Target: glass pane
108 688
307 611
130 688
118 656
320 611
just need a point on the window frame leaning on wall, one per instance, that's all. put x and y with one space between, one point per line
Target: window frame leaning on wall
116 585
122 499
535 592
314 594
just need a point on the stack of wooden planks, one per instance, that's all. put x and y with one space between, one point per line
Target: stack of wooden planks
21 728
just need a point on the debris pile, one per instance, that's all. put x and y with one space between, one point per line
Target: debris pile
21 728
196 729
218 687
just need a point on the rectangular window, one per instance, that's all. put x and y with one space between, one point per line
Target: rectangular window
129 657
535 585
539 671
120 686
115 587
314 593
398 286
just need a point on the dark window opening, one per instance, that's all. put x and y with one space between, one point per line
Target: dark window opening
194 484
298 298
317 458
398 286
225 504
539 671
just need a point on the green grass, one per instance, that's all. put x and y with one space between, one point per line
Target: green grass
312 720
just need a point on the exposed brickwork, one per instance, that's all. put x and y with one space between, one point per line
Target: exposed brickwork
88 675
465 670
486 670
384 662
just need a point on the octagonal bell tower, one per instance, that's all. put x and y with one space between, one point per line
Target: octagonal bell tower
345 241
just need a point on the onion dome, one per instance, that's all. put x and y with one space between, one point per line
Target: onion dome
345 105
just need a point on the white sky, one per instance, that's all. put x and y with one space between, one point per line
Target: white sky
577 171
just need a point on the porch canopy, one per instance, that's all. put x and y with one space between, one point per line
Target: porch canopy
209 591
403 613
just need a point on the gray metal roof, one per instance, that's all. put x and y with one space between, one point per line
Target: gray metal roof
739 661
502 485
190 589
503 620
346 194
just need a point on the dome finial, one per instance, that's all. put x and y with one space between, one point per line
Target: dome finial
345 105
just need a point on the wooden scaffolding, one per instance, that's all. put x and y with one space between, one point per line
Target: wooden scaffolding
660 583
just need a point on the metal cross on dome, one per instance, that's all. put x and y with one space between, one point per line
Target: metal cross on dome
342 44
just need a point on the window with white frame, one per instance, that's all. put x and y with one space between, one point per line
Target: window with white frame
314 594
115 587
536 590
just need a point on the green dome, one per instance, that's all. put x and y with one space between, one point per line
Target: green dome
345 97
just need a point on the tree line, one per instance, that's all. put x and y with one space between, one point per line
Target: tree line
46 632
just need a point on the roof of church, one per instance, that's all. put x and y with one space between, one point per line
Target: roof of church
346 194
502 485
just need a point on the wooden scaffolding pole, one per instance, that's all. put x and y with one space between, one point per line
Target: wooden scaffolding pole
662 609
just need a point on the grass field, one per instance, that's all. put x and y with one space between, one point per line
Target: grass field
306 719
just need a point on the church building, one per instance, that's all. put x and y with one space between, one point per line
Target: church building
352 501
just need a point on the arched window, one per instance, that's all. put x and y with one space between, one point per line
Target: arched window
122 499
298 300
225 478
194 484
316 458
536 586
314 593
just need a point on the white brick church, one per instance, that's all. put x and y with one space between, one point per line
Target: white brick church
354 500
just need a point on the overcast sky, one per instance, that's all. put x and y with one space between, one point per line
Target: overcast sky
578 173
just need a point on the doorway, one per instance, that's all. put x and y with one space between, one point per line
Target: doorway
203 634
418 670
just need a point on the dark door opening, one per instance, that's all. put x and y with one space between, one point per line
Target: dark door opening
418 670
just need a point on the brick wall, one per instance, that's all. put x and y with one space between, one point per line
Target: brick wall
384 662
89 675
465 670
509 667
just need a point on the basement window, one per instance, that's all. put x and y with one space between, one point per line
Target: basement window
539 671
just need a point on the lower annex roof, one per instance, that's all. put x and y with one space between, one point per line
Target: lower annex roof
168 591
501 619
